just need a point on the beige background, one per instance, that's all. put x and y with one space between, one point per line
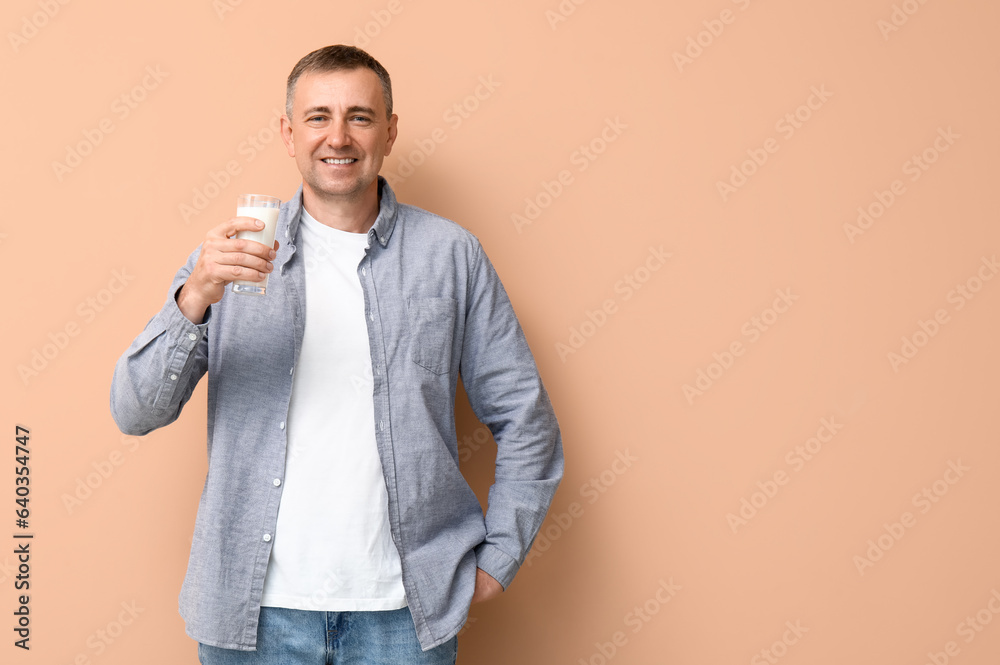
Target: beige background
201 78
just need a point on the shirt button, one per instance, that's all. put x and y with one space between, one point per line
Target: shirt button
173 377
371 316
277 482
362 271
267 537
291 369
192 336
281 425
381 239
381 425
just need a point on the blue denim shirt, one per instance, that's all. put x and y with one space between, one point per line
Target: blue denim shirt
435 308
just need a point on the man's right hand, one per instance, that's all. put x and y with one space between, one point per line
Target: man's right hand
223 259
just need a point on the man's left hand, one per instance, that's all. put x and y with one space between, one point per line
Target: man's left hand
486 587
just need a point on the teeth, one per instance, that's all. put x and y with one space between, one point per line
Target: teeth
348 160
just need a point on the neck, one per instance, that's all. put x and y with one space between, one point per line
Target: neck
354 215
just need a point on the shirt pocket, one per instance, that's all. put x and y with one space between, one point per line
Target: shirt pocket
432 326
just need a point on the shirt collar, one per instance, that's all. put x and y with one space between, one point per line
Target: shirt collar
381 230
386 220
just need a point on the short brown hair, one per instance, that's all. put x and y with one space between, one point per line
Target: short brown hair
333 58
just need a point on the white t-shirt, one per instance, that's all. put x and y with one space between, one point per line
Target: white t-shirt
332 548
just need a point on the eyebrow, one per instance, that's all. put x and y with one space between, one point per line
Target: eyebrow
350 110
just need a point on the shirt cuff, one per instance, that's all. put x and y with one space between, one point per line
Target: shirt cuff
184 336
500 565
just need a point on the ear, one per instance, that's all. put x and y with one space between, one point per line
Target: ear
393 130
286 135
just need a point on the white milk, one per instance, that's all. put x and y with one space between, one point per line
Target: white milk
266 237
267 215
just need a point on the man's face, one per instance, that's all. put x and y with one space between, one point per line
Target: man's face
338 132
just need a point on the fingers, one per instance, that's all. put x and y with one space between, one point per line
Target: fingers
238 263
234 225
244 246
221 238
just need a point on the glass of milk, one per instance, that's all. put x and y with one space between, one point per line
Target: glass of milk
266 209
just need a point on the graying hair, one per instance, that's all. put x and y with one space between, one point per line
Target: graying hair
333 58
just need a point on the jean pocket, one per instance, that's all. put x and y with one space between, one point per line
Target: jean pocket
432 323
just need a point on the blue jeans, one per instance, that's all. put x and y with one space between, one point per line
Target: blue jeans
305 637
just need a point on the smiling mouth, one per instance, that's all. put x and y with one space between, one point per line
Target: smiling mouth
345 160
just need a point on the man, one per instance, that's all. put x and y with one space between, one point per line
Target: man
334 524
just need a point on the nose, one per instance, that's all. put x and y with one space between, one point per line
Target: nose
337 135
